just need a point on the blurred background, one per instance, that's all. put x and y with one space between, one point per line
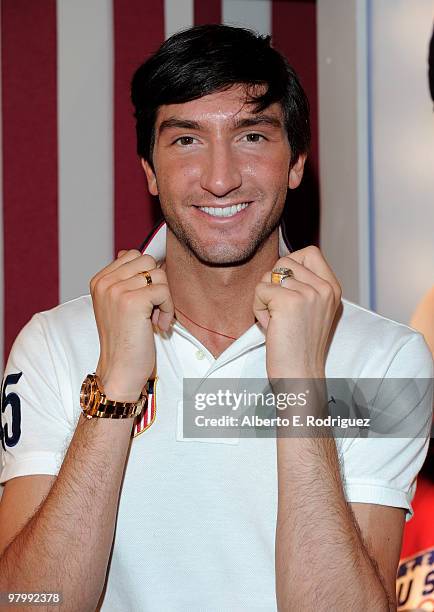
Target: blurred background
72 186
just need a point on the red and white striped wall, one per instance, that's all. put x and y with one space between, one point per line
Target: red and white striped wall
72 186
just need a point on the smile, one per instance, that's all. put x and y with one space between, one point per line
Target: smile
223 211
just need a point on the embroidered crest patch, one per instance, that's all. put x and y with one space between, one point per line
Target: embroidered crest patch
148 414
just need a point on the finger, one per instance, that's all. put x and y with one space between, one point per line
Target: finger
307 290
128 269
312 258
262 315
145 299
166 313
137 281
154 317
304 281
158 297
144 263
122 252
301 272
265 293
158 277
317 273
125 257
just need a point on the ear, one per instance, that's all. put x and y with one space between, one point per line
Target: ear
150 177
296 172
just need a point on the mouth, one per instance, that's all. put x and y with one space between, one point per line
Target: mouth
224 211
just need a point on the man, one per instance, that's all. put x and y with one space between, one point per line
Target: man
166 522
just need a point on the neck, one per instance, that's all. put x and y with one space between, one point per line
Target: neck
218 298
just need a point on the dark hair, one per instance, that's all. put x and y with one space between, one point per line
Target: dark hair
210 58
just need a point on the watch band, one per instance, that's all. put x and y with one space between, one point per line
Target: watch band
95 403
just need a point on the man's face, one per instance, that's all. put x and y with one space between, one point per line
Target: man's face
221 172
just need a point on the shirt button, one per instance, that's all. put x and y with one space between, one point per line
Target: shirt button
200 354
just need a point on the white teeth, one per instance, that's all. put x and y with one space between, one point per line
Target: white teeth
227 211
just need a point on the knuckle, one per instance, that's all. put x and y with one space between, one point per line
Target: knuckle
130 256
99 284
312 248
325 287
299 298
92 284
283 262
165 293
114 291
148 261
125 299
310 294
158 276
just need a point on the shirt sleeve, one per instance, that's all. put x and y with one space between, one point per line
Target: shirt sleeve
383 469
34 428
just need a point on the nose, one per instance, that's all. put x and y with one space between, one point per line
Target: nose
220 174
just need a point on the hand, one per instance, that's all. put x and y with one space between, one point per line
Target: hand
298 315
123 306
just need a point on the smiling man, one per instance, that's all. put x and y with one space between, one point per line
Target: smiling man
106 499
223 184
223 174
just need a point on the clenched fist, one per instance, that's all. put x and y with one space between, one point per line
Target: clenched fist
298 315
124 306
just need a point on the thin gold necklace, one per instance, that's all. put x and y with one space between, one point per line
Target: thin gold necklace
206 328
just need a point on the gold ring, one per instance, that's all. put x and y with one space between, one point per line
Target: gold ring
147 277
278 274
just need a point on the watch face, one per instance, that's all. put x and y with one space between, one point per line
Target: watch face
87 392
94 402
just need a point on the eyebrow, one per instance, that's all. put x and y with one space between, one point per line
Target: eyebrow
256 120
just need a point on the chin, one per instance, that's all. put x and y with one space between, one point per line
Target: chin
218 253
223 258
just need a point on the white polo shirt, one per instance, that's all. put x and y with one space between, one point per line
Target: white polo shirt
196 522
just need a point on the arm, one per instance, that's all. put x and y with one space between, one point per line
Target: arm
317 532
65 546
21 496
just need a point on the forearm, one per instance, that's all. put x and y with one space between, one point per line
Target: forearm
321 560
66 544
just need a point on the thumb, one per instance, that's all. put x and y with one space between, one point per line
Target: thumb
260 304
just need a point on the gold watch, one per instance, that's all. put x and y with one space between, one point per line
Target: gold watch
95 403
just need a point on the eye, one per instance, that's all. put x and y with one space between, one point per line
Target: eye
185 140
253 137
